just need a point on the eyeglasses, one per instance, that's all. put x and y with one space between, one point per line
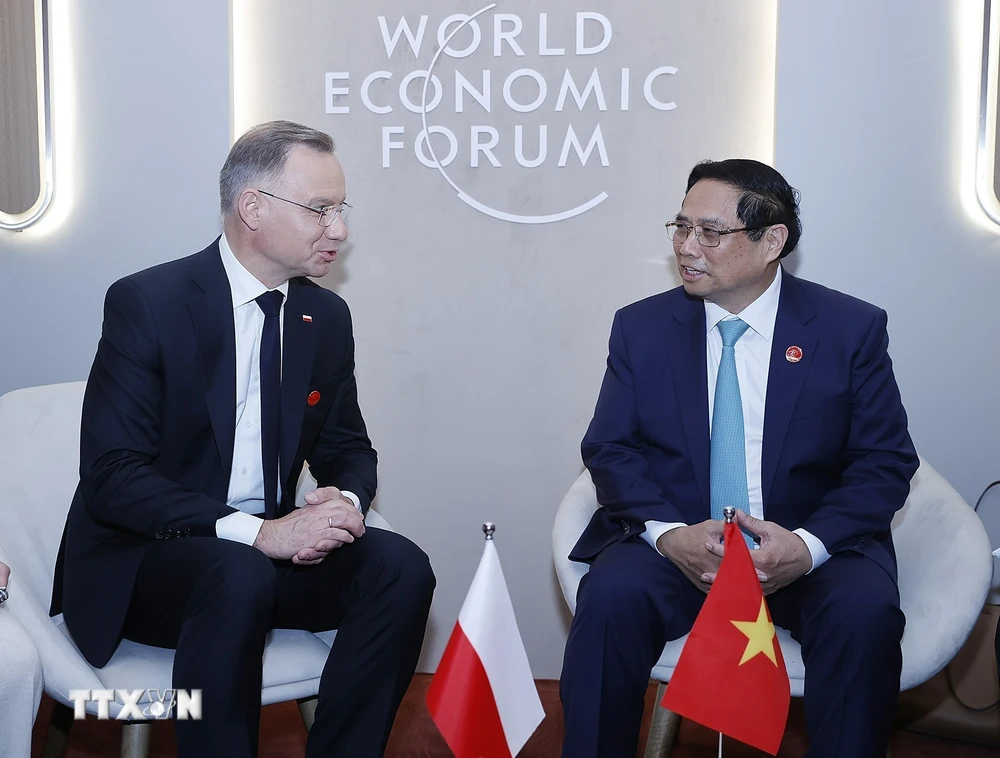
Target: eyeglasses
327 214
706 235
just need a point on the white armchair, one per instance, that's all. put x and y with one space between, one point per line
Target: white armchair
39 462
945 570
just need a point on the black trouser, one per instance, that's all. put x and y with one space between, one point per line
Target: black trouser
215 600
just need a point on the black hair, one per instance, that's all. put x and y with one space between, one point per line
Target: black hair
766 198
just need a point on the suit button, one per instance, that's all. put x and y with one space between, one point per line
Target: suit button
159 535
626 526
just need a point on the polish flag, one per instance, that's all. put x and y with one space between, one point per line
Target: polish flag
483 697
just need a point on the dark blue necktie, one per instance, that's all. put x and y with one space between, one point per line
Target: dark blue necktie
270 397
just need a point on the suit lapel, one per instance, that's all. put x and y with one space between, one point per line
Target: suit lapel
212 313
785 378
298 351
686 348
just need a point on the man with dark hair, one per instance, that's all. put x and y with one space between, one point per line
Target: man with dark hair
216 377
744 387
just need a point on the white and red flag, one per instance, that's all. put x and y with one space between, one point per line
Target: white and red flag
483 697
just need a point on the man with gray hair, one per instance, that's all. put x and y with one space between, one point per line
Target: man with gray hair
217 376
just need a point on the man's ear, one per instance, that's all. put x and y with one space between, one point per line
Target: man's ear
248 206
775 238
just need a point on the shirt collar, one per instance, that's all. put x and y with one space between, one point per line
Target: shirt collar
244 286
760 314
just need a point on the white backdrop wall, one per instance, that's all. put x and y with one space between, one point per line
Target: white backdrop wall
482 342
876 122
477 396
141 126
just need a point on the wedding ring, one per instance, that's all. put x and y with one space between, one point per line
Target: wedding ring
3 594
330 521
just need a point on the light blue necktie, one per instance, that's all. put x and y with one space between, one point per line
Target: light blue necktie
729 457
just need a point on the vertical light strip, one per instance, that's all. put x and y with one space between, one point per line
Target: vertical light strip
986 154
232 72
61 98
44 73
240 37
22 220
772 58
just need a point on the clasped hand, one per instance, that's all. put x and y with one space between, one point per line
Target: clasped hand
308 534
697 551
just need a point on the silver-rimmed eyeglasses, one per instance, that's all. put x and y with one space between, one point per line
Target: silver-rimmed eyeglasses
327 215
678 232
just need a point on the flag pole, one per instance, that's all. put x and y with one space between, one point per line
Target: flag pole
488 528
729 513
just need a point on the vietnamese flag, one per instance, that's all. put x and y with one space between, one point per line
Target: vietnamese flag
483 697
730 676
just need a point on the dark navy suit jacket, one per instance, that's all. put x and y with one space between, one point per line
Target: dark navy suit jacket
159 421
837 458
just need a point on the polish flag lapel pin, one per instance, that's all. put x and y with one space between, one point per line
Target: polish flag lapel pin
307 318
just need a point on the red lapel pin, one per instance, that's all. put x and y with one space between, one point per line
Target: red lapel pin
307 319
313 398
793 354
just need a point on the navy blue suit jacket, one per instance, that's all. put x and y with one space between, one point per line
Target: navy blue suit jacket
159 422
837 458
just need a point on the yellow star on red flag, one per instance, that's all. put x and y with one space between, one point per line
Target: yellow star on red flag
760 636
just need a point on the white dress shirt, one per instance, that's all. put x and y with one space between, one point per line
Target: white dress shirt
753 360
246 481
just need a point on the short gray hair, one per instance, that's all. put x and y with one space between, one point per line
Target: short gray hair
259 157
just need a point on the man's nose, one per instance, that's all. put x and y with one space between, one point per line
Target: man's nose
337 230
691 247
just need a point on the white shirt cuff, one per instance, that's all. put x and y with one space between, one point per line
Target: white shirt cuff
656 529
239 527
352 497
816 548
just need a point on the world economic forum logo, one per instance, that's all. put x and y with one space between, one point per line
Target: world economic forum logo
460 36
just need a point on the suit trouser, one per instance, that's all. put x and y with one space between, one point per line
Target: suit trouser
20 687
845 615
215 600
